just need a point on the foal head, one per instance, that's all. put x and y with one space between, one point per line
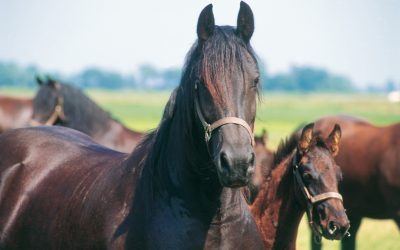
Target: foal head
48 104
225 74
316 177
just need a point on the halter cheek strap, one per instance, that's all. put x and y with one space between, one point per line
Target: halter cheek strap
58 113
317 198
209 128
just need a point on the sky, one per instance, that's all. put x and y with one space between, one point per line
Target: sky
356 38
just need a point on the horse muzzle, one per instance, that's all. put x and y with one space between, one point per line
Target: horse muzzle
333 222
235 164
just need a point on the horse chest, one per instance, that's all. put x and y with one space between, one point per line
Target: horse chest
174 227
234 232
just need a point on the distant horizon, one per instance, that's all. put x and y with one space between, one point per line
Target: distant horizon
358 39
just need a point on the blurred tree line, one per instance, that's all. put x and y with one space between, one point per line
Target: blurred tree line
147 76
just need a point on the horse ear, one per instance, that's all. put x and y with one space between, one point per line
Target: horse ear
334 140
206 23
306 138
264 136
39 80
245 22
53 83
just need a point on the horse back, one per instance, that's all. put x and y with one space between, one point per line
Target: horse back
59 190
369 157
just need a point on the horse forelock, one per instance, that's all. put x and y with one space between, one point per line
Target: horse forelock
223 54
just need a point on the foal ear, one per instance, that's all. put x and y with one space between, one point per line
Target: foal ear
206 23
264 136
245 22
334 140
306 138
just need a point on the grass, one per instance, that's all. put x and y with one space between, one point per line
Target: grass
280 114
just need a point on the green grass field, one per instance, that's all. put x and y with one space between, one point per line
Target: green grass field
280 114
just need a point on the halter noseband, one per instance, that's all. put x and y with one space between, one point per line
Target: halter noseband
312 200
209 128
58 113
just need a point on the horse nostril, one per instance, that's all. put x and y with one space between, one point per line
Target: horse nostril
321 210
332 227
252 159
224 162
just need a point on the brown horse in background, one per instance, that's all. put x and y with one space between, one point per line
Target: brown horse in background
179 189
304 178
61 104
14 112
370 161
264 163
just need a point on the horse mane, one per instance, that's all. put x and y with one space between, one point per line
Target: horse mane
285 148
87 114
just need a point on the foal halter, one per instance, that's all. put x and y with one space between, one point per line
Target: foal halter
58 113
209 128
312 200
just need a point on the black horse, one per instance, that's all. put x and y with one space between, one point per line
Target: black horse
61 104
179 189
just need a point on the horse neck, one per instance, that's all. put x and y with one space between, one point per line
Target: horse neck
89 118
395 130
118 137
170 183
184 157
276 210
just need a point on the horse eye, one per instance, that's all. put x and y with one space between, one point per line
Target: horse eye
256 81
307 177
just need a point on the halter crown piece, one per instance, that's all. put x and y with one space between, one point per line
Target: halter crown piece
209 128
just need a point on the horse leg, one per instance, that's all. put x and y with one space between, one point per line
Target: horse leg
315 245
349 243
397 220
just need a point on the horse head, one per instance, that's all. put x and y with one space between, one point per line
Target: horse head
316 178
226 83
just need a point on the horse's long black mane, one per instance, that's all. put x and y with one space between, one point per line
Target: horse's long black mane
88 116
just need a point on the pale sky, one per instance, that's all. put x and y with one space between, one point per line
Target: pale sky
357 38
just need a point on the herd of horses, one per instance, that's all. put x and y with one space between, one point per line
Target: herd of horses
200 180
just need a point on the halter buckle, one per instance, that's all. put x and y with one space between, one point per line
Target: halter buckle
207 132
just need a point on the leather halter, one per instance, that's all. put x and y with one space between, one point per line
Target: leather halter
312 200
209 128
58 113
